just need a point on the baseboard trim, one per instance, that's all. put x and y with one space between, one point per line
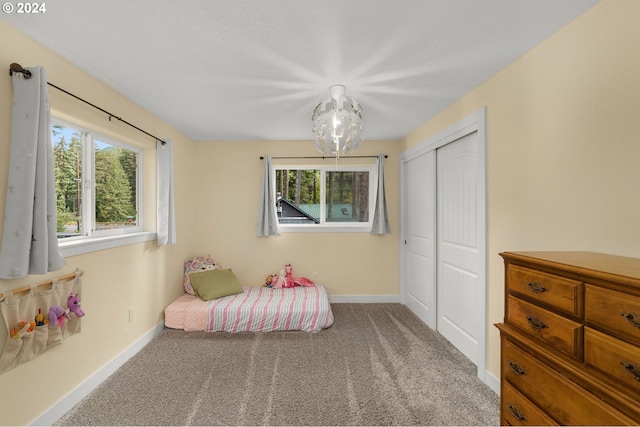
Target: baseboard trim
492 381
364 298
64 405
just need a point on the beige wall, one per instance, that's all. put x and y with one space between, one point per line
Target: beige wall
143 275
563 150
229 179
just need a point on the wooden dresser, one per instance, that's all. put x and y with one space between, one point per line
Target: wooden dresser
570 341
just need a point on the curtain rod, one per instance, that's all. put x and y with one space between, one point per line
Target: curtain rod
323 157
63 279
17 68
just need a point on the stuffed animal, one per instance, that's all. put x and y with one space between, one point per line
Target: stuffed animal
40 320
285 279
74 305
295 281
57 314
268 281
288 278
277 280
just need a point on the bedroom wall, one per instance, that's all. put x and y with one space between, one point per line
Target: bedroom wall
142 275
563 146
229 176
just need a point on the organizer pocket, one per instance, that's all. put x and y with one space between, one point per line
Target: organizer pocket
32 309
9 356
27 351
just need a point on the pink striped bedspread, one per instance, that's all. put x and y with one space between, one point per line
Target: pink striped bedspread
257 309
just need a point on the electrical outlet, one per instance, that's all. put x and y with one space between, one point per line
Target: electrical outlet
132 314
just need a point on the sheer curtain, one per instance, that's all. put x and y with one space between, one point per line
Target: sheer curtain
380 218
267 216
166 204
29 234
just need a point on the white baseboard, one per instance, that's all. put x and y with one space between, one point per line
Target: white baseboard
64 405
492 381
364 298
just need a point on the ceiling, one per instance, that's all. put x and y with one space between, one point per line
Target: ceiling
255 69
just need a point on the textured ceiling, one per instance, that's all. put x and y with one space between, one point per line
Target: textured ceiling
255 69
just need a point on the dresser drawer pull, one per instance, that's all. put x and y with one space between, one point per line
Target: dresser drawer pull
516 369
536 323
633 369
516 412
632 318
536 287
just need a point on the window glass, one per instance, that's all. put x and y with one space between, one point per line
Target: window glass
115 186
347 196
323 197
68 163
97 183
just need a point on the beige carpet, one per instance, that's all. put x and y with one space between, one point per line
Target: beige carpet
377 365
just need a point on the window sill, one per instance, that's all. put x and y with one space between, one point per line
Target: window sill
322 229
93 244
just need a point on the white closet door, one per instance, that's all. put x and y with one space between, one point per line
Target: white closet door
419 238
461 287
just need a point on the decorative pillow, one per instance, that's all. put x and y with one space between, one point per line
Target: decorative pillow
197 264
214 284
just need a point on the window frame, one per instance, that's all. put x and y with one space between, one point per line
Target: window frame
324 226
91 239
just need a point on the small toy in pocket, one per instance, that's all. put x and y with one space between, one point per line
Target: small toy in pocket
21 329
74 305
40 318
57 314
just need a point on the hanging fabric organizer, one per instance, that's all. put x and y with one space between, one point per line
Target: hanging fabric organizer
37 318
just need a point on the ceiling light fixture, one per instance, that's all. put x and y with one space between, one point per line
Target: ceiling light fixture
337 123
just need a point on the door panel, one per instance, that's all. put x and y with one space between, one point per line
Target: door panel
420 243
460 291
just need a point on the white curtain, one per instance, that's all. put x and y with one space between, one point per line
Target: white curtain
267 216
380 218
29 235
165 197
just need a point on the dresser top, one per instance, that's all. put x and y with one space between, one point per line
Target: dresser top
591 264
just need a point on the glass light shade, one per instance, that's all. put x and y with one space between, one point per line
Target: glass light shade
337 123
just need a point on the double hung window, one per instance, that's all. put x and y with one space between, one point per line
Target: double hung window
98 184
324 198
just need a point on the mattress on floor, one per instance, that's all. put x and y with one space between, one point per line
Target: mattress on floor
257 309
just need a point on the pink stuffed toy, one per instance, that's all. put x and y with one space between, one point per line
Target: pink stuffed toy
295 281
74 305
285 279
278 281
288 278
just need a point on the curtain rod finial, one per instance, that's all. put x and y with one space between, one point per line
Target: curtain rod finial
17 68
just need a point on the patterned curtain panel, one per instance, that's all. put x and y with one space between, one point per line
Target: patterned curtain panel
380 217
267 216
29 235
166 205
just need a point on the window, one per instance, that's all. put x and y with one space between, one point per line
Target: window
324 198
98 184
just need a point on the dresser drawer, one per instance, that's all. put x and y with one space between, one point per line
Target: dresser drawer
555 291
561 399
517 410
613 311
612 356
558 331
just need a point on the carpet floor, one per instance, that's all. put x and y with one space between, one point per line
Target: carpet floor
377 365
